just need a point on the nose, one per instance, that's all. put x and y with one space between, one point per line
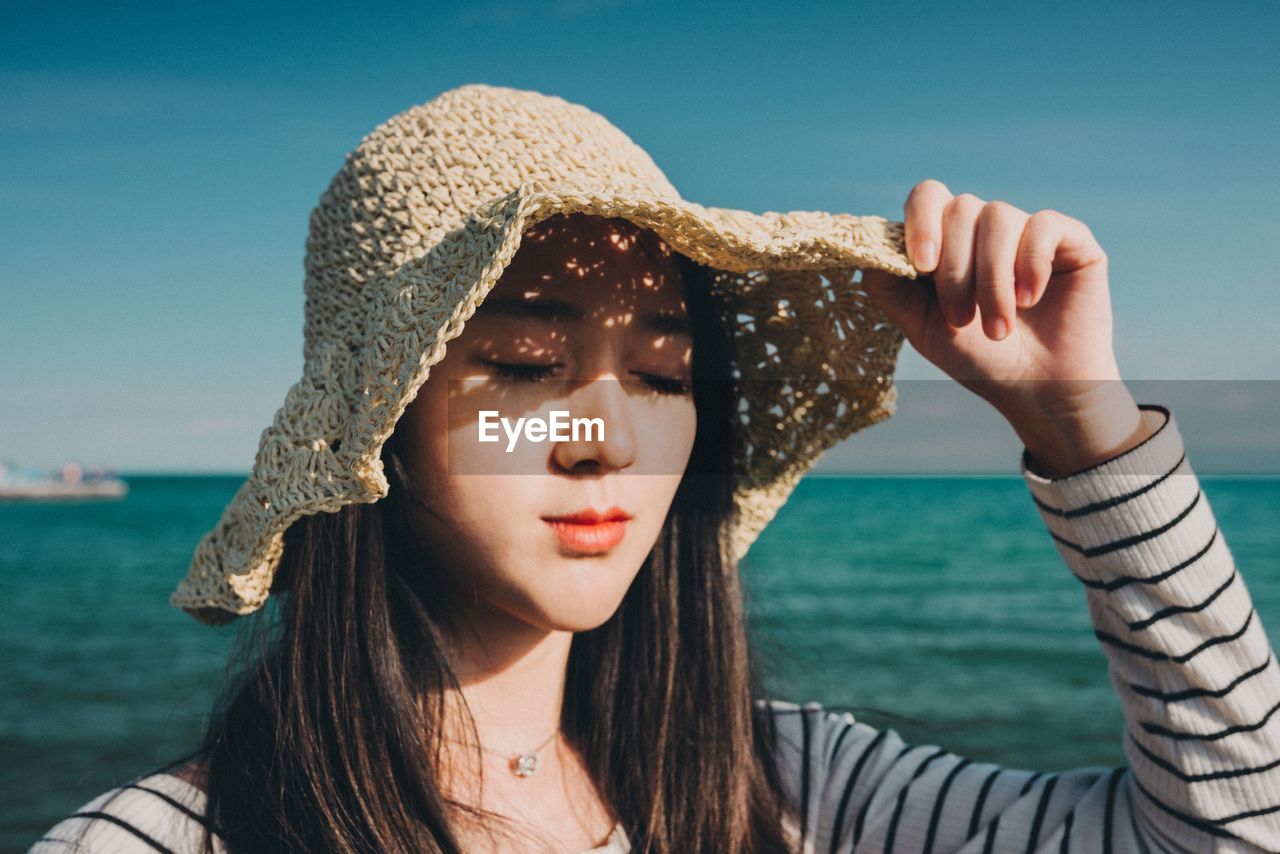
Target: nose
604 397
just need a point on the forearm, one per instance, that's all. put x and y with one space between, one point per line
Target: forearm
1188 655
1189 659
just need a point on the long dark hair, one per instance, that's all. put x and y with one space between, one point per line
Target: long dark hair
327 735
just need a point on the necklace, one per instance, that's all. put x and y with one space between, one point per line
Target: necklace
521 764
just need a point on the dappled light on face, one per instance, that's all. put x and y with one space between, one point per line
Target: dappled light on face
621 241
527 346
609 251
588 321
677 346
584 298
623 319
575 273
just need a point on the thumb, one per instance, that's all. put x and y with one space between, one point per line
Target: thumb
904 300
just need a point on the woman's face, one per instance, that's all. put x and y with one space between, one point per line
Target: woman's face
584 321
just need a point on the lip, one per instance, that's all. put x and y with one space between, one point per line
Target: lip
590 531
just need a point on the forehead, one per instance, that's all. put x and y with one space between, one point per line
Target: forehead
564 252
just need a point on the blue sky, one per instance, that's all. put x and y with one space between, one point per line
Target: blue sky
158 164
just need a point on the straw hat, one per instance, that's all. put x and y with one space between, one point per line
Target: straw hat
417 227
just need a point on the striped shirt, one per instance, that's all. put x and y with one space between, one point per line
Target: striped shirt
1198 685
1188 656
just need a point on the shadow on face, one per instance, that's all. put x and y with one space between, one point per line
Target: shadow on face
590 320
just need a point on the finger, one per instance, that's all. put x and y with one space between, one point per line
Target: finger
954 276
923 223
999 230
1034 263
906 302
1054 242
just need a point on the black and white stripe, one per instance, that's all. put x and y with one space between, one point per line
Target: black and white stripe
157 813
1199 686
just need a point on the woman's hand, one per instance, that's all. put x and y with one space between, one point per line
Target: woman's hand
1017 310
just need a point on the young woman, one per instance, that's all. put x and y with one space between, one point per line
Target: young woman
533 645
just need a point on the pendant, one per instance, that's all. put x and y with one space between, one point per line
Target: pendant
524 765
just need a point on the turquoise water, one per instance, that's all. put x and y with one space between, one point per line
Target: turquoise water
939 599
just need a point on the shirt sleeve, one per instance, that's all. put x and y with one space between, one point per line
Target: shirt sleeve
1188 656
159 812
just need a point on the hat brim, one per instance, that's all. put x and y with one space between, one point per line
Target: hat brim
815 359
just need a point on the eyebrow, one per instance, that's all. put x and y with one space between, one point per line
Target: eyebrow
554 310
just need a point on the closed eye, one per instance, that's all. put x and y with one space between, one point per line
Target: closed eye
524 373
538 373
663 385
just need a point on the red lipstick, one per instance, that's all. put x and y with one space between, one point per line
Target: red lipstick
590 531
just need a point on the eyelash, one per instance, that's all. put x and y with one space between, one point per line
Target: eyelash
538 373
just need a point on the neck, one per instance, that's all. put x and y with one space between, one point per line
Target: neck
512 678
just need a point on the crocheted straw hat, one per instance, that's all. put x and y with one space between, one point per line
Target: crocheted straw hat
417 227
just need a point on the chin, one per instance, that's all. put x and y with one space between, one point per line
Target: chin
565 615
586 595
581 622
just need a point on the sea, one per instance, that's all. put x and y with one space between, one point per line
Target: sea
935 606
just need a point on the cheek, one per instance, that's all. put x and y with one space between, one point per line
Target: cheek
457 526
665 432
486 518
481 533
464 453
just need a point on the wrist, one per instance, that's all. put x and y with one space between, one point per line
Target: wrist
1067 433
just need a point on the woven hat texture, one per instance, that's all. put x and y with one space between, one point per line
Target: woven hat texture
418 226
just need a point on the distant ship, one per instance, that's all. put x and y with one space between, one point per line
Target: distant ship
70 483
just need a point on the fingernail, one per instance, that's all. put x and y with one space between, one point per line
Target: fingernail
1023 293
955 316
997 328
925 255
